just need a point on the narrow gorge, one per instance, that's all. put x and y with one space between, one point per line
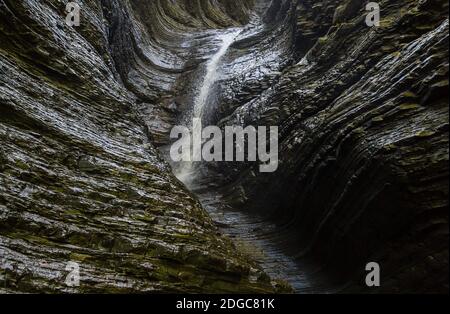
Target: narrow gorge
86 176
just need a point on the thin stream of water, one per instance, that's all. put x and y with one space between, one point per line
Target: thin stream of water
238 225
185 172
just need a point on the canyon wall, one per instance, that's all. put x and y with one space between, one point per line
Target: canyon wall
79 179
363 120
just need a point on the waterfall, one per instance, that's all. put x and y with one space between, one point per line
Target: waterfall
185 171
211 74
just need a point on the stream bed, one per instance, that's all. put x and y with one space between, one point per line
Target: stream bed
254 236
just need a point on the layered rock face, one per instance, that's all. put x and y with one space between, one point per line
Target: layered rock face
79 180
363 120
156 44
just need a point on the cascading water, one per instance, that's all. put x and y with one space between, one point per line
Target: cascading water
185 171
254 236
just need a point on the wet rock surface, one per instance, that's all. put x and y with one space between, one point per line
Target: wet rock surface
363 118
363 173
80 181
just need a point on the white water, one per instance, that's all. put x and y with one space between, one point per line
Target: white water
185 172
211 73
261 239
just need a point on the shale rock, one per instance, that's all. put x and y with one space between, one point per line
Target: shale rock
79 180
363 118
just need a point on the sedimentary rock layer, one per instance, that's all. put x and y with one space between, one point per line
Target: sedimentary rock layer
363 117
79 179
